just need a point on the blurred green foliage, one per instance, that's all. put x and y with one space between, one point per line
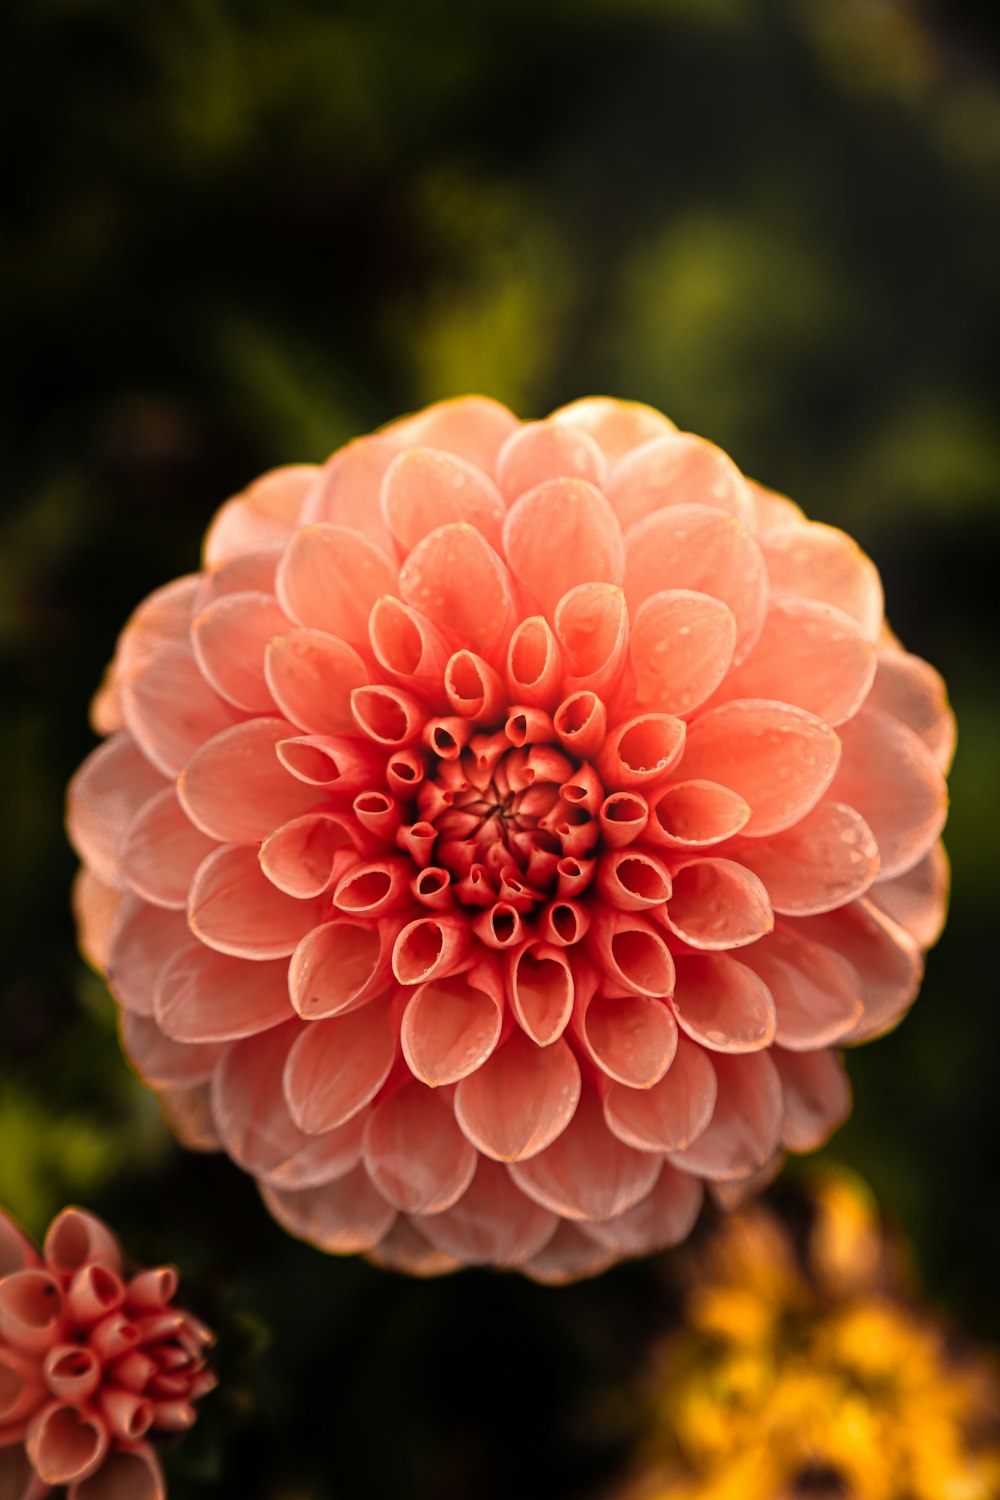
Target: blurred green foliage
237 234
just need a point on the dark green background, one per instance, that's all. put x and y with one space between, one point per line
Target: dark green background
239 233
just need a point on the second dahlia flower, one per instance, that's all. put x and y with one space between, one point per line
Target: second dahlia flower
498 836
92 1362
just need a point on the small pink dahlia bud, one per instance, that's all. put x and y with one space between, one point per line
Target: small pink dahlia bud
498 836
92 1362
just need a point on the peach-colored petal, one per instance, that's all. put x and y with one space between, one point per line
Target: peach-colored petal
132 1473
911 690
144 939
171 709
630 951
693 547
346 490
537 451
204 996
778 758
415 1153
570 1255
520 1100
534 664
236 789
16 1250
336 764
561 534
587 1173
160 1061
425 488
336 1067
164 619
885 956
230 638
662 1219
329 578
817 1097
161 849
339 966
814 561
723 1004
674 1112
474 689
694 814
311 675
22 1389
252 572
591 625
643 749
342 1217
430 948
825 860
730 1196
772 509
682 646
303 858
745 1128
261 515
493 1223
816 993
388 717
541 987
412 650
717 904
113 783
616 426
623 817
31 1310
891 778
66 1445
677 469
96 911
451 1026
455 578
632 879
474 427
809 654
188 1114
94 1291
405 1248
917 900
631 1038
18 1480
234 908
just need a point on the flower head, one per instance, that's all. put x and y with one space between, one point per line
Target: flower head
92 1361
496 838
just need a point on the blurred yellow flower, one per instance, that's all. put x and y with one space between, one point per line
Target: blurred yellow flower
806 1370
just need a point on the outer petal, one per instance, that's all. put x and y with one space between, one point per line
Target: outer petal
570 1255
587 1173
415 1153
825 860
891 778
456 579
145 939
538 451
474 427
113 783
662 1219
746 1125
451 1026
682 646
346 489
883 954
678 469
204 996
520 1100
561 534
425 488
674 1112
329 578
817 1097
406 1249
236 789
311 676
171 709
162 849
723 1004
911 690
160 1061
615 426
263 514
813 561
234 908
493 1223
817 994
230 638
336 1067
343 1216
127 1474
918 899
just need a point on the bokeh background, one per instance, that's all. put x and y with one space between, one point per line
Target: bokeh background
239 232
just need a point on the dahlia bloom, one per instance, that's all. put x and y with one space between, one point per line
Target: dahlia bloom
91 1361
498 836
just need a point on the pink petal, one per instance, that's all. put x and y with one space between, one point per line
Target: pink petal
541 987
415 1153
569 1256
162 849
230 638
410 649
236 789
66 1445
234 908
113 783
918 899
520 1100
772 509
630 951
425 488
303 857
188 1114
883 954
261 515
730 1196
677 469
311 676
451 1026
126 1474
817 994
819 562
717 904
580 723
334 763
330 577
534 664
339 966
474 427
695 814
16 1250
347 487
890 777
241 573
587 1173
474 690
388 717
406 1249
161 1062
171 709
693 547
164 619
431 948
825 860
910 689
18 1480
336 1067
560 534
671 1114
616 426
746 1125
204 996
723 1004
643 749
343 1217
591 625
682 646
456 579
661 1220
632 879
809 654
493 1223
623 817
96 911
31 1310
631 1038
145 938
778 758
538 451
817 1097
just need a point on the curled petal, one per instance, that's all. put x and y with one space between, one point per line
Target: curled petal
682 646
388 716
809 654
493 1223
145 939
335 1067
825 860
541 987
560 534
631 1038
22 1391
580 722
587 1173
162 849
642 750
695 814
339 966
813 561
817 994
66 1445
451 1026
591 625
722 1004
632 879
374 888
131 1473
417 1157
631 952
716 904
623 817
520 1100
535 664
412 650
261 515
537 451
430 948
746 1126
230 638
615 426
93 1292
890 777
342 1217
301 857
336 764
311 676
204 996
779 759
425 488
234 908
111 786
662 1219
909 689
235 788
674 1112
474 689
330 577
17 1252
76 1237
72 1373
31 1310
678 469
817 1097
151 694
917 900
456 579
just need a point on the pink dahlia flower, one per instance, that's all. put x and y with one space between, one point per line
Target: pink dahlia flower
498 837
91 1362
